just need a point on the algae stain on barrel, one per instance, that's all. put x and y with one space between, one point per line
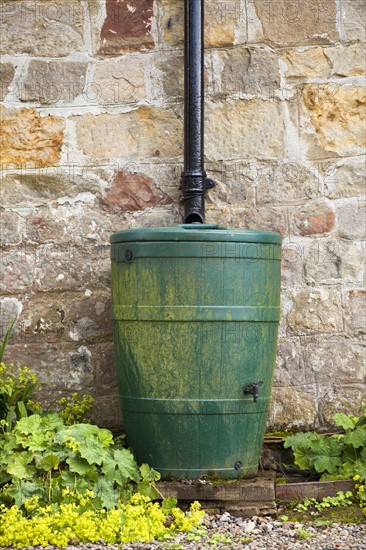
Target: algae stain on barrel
196 312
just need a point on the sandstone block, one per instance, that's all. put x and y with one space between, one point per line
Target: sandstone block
106 412
354 18
352 219
60 370
292 266
105 370
147 132
26 137
53 81
117 82
263 218
127 26
6 77
329 262
292 408
157 217
52 29
16 270
172 22
63 267
289 369
54 266
46 318
10 226
308 63
297 22
337 114
337 360
131 192
42 320
313 219
221 18
234 184
234 129
339 60
336 397
167 75
355 311
41 227
347 60
284 182
248 71
20 189
10 309
343 178
317 310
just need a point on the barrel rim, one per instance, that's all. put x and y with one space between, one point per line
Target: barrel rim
196 232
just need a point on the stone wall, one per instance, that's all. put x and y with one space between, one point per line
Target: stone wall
91 137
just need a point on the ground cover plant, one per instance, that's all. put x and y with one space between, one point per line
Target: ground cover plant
64 481
339 456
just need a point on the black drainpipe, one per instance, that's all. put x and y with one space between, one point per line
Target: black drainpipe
194 181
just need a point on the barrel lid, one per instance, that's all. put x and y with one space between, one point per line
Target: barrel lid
196 232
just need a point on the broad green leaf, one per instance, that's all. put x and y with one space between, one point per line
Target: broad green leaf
52 422
302 459
300 440
29 425
347 470
104 490
4 477
360 469
168 504
120 466
149 473
49 462
127 464
146 489
68 479
356 438
347 422
34 442
350 454
325 463
318 453
10 442
325 454
92 452
22 490
80 466
19 466
105 437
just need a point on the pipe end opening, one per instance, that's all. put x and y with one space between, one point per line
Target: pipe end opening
194 217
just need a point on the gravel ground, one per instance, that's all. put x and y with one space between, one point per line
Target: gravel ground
256 533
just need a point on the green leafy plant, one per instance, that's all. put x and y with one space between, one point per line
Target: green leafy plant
341 499
303 534
74 409
220 538
78 521
340 456
63 480
42 456
16 387
5 341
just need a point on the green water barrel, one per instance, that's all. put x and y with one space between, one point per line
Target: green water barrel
196 312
